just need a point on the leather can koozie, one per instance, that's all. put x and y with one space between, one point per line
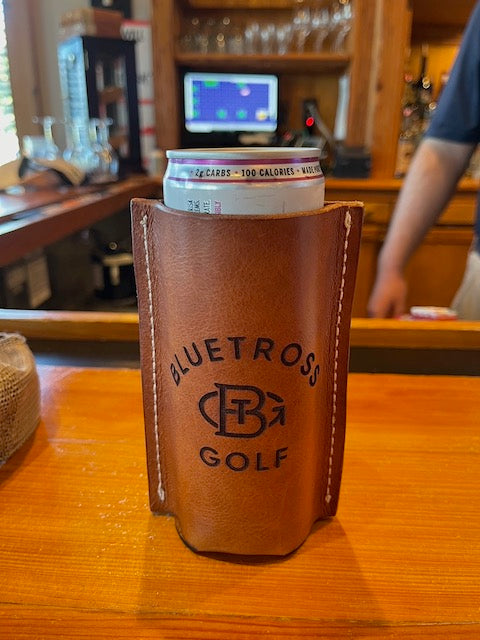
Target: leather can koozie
244 337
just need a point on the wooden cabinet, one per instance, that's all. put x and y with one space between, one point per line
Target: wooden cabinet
386 35
374 61
435 271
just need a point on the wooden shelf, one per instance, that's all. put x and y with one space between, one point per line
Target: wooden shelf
240 4
111 94
374 61
289 63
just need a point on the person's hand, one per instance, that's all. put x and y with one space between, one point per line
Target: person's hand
388 297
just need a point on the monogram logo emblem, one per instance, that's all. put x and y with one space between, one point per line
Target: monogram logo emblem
241 411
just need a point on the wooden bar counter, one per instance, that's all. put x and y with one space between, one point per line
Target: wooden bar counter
57 213
82 556
107 339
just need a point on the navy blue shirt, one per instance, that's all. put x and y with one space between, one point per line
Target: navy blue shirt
457 116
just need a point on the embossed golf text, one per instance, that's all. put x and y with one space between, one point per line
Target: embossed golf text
242 411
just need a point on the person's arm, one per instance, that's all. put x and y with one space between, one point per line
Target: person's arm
429 185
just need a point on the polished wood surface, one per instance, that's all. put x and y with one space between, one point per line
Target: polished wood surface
410 334
76 210
12 205
81 555
71 325
123 327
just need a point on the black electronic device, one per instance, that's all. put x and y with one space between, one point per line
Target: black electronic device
352 162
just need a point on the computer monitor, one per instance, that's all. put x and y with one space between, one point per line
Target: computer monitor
230 102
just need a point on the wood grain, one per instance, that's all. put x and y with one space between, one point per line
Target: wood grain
242 4
363 67
380 195
165 31
296 63
123 327
81 555
432 12
394 35
108 326
49 224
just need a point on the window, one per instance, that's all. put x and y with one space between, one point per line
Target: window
8 130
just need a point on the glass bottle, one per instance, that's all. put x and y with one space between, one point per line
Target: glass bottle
79 148
105 167
45 146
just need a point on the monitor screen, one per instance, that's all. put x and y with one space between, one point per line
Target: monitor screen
230 102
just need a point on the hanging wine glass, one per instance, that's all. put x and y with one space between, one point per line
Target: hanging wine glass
301 25
321 25
341 24
252 38
283 38
267 38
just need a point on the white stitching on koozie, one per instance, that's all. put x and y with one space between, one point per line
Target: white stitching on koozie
348 226
161 491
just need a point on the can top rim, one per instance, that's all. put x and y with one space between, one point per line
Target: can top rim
244 152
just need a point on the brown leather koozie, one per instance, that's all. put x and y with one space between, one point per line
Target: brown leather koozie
244 335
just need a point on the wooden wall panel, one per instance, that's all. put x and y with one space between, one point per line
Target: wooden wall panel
394 36
164 26
362 44
438 12
372 236
24 64
295 88
435 271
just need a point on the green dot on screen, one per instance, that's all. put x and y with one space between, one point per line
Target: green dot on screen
211 84
222 114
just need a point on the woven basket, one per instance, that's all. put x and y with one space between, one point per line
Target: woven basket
19 394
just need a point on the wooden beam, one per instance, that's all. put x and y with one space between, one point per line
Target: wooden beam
164 32
123 327
396 20
71 325
362 49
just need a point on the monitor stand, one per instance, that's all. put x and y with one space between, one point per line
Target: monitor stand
229 139
209 140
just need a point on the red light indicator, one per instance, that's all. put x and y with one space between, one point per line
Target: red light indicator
310 121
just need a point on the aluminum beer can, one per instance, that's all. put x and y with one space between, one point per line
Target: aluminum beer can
247 180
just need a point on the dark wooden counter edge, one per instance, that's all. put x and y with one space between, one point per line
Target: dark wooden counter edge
466 185
19 237
123 327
